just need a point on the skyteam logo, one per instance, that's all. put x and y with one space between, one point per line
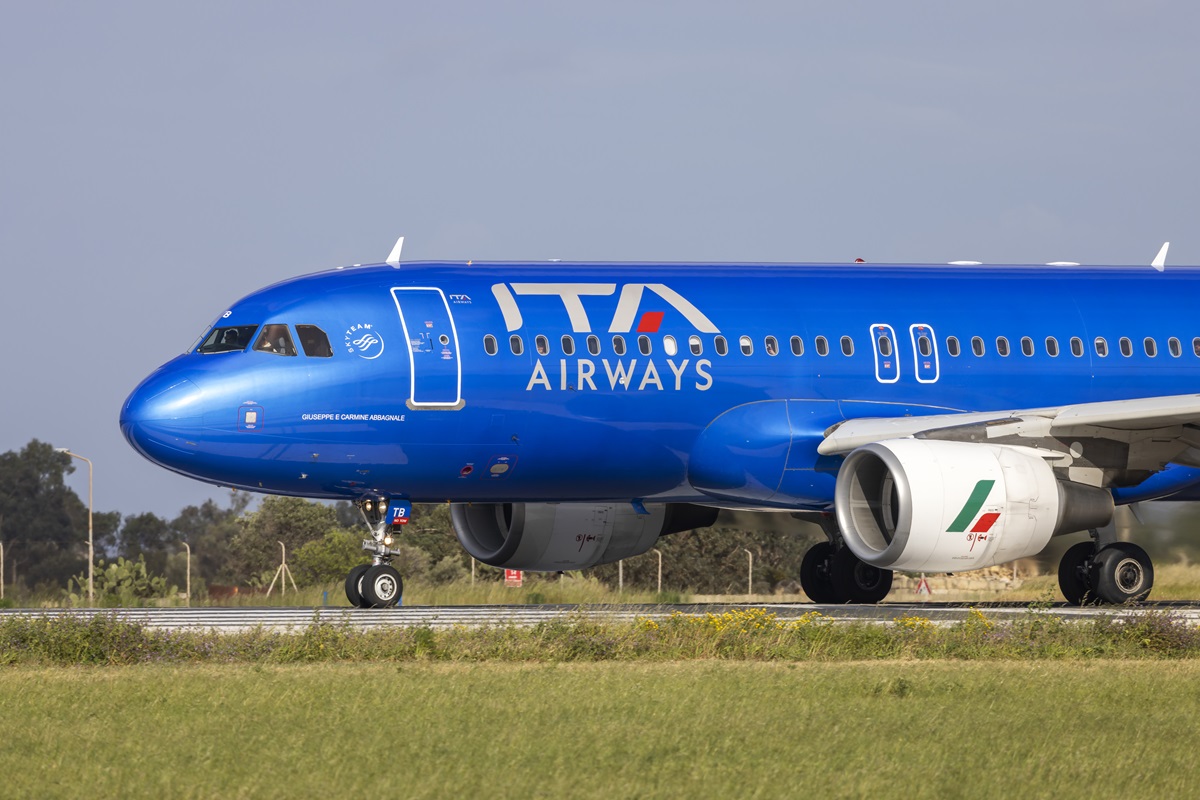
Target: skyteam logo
976 525
364 341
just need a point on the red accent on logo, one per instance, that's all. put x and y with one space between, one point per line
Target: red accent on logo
986 522
650 322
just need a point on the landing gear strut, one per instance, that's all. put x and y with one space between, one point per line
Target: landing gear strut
831 573
378 584
1114 572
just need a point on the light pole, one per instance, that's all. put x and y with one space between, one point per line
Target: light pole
750 578
658 553
189 573
1 570
91 551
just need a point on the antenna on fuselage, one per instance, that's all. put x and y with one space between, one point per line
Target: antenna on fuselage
394 256
1160 260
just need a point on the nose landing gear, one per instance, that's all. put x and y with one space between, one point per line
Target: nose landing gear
378 584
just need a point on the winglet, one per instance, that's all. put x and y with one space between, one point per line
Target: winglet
394 256
1160 260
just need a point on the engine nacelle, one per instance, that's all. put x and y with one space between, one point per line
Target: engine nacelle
549 537
935 506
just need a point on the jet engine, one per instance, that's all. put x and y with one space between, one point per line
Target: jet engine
936 506
550 537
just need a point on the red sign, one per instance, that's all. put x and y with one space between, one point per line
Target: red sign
513 577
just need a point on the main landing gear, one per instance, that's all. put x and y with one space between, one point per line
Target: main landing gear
378 584
831 573
1105 572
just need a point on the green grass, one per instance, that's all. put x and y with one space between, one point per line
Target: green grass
680 729
740 635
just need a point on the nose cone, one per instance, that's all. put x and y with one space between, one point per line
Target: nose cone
161 416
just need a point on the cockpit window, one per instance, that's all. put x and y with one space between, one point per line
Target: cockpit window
316 343
226 340
275 339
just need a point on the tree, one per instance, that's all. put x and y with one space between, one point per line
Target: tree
713 561
210 529
291 520
330 558
44 522
150 537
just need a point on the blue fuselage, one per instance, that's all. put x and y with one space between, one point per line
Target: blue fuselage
617 382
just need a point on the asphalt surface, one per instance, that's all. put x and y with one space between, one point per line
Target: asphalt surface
229 620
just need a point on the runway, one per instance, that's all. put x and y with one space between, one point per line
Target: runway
232 620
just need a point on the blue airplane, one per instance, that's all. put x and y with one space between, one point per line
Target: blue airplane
930 418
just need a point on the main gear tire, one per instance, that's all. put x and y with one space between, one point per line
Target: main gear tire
814 574
855 581
1074 574
1123 573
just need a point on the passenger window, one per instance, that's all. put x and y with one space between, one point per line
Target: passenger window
797 346
516 345
275 339
772 345
619 345
670 347
568 346
1150 346
227 340
1174 347
542 345
848 346
593 345
489 344
1126 347
1076 346
644 345
1002 345
697 347
952 346
1026 346
977 345
747 345
722 347
924 346
1052 347
314 341
1101 347
1196 346
822 345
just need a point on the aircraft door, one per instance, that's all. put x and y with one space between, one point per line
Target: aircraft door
887 361
925 353
435 372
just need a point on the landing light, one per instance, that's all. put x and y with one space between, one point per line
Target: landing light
388 540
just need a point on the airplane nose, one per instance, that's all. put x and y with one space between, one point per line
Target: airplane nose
159 414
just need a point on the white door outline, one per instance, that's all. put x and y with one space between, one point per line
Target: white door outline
890 372
412 402
925 367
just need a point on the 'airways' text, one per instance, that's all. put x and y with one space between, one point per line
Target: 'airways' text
631 375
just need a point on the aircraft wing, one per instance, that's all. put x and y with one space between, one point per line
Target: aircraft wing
1162 419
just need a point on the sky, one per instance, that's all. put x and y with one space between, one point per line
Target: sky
160 160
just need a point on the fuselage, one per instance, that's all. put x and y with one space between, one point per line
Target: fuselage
475 382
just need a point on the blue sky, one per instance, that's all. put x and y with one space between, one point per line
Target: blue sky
160 160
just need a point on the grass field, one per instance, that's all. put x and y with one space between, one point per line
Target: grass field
681 729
